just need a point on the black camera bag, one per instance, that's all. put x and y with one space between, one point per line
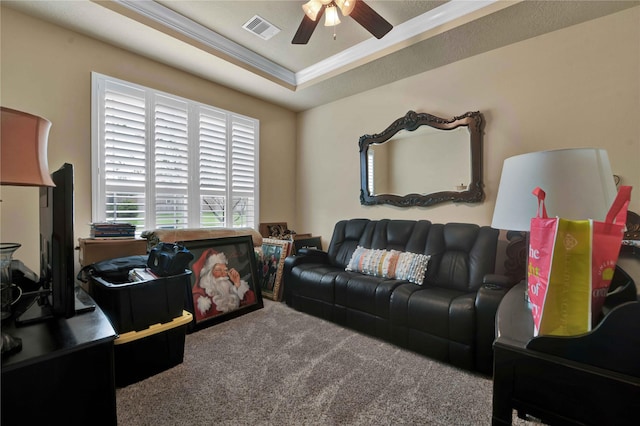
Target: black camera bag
167 259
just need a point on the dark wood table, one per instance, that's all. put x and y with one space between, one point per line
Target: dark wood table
64 373
592 379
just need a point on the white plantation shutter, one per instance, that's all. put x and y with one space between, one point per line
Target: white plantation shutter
171 163
160 161
213 167
125 153
243 166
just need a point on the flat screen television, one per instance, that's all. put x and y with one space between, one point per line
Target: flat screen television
56 298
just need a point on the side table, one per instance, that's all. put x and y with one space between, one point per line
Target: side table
593 378
64 373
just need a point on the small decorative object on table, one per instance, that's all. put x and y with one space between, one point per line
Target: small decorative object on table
275 230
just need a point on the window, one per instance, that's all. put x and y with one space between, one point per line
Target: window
161 161
370 173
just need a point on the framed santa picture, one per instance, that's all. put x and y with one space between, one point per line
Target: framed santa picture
224 282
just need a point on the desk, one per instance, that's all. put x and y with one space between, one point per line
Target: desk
592 379
64 373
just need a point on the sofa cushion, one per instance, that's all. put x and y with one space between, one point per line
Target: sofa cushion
365 293
315 281
389 264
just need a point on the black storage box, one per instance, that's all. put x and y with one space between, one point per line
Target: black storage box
141 354
134 306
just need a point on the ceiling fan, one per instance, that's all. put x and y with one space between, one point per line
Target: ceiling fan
357 9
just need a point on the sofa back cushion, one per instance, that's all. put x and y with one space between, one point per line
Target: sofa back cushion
401 235
345 239
467 254
461 253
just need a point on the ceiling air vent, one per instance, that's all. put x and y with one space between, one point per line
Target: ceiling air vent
260 27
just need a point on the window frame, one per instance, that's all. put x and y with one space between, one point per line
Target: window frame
195 111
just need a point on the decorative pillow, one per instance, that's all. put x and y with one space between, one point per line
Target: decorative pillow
389 264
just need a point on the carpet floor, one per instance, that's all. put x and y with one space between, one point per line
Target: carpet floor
277 366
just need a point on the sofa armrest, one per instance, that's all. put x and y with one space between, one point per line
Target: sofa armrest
497 280
487 301
304 255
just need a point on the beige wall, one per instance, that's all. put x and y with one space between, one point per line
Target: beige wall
577 87
46 70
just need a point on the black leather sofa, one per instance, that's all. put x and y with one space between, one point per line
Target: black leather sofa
449 317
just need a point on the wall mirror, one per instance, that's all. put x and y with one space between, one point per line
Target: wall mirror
421 160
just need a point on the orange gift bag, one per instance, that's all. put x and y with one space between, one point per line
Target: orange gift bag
571 264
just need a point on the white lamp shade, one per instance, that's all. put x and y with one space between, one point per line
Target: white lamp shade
23 149
578 183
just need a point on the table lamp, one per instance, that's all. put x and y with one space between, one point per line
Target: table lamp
578 182
23 153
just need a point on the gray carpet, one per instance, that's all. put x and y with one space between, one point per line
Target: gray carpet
277 366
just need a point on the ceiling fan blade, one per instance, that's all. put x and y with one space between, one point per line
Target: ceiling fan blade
306 28
370 20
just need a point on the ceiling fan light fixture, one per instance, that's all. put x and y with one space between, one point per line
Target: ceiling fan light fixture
346 6
331 16
358 10
312 8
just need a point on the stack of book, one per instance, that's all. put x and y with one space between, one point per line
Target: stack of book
112 230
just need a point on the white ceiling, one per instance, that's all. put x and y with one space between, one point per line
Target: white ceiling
206 38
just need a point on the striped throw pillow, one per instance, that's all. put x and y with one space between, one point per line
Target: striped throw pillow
389 264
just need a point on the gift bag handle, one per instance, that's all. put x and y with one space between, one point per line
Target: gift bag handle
542 209
618 211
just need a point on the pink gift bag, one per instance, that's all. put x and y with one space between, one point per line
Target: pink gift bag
571 264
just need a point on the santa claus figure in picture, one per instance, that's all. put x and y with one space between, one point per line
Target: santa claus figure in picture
218 289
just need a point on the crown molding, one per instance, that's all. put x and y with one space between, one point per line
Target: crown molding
209 38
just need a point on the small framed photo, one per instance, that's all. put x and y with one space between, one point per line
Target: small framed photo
224 284
270 266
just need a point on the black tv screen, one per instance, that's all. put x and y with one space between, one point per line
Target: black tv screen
56 242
